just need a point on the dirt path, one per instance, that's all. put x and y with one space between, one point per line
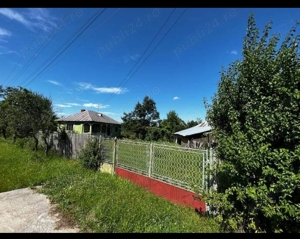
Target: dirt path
25 210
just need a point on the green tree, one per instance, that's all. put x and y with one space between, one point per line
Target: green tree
192 123
3 114
255 119
29 113
16 104
144 115
172 124
155 133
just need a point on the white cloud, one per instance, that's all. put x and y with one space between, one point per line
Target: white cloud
13 15
5 50
74 104
234 52
175 98
63 105
4 32
85 86
30 18
99 106
127 58
135 57
67 105
54 82
18 64
113 90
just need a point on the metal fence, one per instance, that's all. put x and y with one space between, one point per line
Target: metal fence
182 167
176 165
133 156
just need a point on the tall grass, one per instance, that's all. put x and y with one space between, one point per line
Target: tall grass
96 202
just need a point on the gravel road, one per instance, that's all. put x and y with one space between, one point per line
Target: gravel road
26 210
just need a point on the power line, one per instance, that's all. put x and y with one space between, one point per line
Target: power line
108 98
99 14
40 50
87 36
124 82
29 44
84 23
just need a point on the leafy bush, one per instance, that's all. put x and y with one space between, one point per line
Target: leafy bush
255 119
27 143
93 155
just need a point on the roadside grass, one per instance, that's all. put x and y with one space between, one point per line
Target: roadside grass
21 167
96 202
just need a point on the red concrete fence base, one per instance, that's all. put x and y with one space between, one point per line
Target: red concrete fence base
165 190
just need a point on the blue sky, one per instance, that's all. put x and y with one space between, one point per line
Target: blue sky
104 66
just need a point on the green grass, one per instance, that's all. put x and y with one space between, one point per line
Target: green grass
96 202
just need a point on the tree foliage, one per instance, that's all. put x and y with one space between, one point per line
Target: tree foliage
3 113
25 113
172 124
192 123
144 115
255 116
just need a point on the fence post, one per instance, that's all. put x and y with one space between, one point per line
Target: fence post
210 168
100 139
115 155
204 155
150 159
207 167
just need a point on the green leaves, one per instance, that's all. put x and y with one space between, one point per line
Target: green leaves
255 118
143 116
24 113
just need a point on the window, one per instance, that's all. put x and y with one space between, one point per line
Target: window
86 128
108 130
96 128
69 126
116 129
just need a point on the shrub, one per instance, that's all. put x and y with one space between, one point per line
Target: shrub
27 143
255 119
92 155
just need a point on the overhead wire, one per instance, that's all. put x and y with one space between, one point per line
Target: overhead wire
35 56
85 38
126 80
29 44
79 27
99 14
153 39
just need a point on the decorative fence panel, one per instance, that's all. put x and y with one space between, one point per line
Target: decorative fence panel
179 166
108 147
133 156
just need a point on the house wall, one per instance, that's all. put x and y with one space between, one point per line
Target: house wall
78 129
